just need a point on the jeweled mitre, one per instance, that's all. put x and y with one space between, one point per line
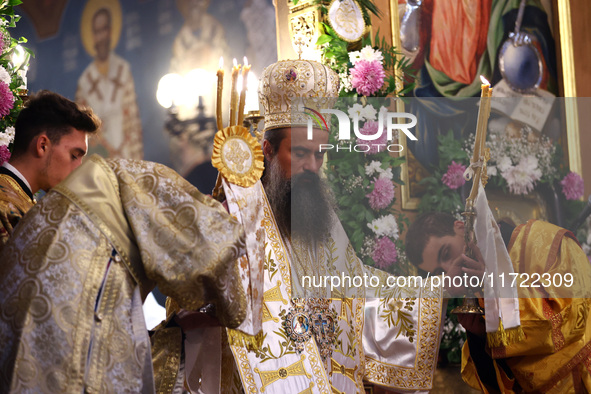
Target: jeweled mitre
305 83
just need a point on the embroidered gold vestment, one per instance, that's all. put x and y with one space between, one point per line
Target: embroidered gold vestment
555 355
76 270
14 203
389 336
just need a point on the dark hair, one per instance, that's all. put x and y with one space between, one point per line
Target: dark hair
103 10
274 137
50 113
425 226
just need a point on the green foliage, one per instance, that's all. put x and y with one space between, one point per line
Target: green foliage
453 336
438 196
8 19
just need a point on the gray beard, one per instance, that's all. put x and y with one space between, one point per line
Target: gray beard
303 205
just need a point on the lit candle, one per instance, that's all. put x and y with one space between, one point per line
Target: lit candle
234 94
479 142
245 71
218 108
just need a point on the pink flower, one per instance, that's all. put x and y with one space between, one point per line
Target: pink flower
384 253
454 177
572 186
371 128
4 154
367 77
382 194
6 99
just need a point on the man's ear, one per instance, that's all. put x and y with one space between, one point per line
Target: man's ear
267 150
42 145
459 226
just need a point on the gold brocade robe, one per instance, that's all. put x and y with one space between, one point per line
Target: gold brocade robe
14 203
389 336
555 355
77 268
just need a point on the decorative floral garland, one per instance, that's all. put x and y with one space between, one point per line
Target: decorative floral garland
10 81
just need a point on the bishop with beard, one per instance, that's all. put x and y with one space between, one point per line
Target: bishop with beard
299 336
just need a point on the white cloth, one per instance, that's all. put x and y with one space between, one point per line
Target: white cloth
500 302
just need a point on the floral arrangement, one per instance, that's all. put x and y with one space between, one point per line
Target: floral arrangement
376 70
364 183
520 159
10 78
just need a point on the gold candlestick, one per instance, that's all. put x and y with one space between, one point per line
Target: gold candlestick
234 94
220 75
245 71
478 163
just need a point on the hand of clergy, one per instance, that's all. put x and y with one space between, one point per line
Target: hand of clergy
190 320
464 265
473 267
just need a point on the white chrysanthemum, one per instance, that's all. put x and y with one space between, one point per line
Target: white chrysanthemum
370 54
365 113
372 168
522 178
354 56
530 164
387 173
7 136
4 76
491 171
385 226
504 163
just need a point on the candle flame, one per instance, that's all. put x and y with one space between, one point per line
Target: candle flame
484 80
221 62
245 61
235 62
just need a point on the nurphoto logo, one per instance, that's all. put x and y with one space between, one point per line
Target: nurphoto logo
344 129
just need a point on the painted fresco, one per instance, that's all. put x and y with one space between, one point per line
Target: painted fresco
111 54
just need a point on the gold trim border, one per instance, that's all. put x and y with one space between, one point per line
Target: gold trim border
567 59
408 203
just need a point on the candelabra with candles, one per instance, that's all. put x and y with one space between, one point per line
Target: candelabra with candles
185 115
194 127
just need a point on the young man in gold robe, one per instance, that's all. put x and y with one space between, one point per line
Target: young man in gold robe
555 352
51 135
78 267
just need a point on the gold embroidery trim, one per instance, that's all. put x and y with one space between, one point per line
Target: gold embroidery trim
246 375
274 294
267 314
270 377
240 339
420 376
308 390
18 189
340 368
